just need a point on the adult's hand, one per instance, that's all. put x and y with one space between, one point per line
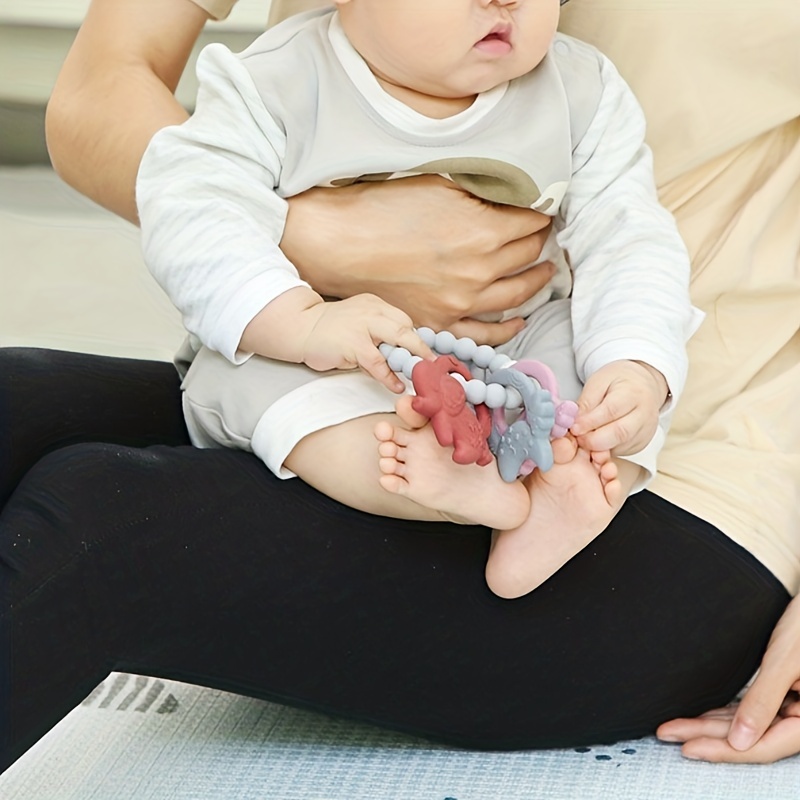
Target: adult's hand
763 727
423 245
115 91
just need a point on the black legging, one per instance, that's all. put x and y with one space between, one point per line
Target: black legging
161 559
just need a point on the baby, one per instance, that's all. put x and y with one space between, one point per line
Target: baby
486 93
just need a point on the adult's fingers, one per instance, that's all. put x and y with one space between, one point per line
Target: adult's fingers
757 709
512 291
518 228
687 728
517 253
780 741
791 708
778 674
491 333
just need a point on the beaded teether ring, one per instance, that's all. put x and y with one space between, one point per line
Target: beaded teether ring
526 388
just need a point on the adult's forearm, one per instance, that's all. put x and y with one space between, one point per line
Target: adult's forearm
115 91
101 158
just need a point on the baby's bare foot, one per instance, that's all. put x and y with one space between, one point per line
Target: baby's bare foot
571 504
416 466
406 412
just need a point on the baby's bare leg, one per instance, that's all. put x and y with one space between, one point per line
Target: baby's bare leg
416 466
341 462
571 504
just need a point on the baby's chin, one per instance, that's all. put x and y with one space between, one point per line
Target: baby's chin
489 76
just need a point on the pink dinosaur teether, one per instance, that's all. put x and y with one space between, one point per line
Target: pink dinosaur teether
442 399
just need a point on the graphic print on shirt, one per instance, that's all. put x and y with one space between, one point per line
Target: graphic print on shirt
487 178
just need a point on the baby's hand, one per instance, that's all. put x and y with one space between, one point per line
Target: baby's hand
618 408
346 334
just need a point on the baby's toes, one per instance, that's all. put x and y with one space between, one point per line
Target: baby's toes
383 431
388 449
391 466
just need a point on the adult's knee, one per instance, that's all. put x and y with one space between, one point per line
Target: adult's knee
52 515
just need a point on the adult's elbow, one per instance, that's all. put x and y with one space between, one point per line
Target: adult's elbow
61 120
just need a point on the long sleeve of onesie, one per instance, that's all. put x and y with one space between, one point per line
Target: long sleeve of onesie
631 269
211 219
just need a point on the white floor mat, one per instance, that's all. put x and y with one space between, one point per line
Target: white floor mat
143 739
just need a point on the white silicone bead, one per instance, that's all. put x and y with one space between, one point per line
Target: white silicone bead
464 349
398 358
444 343
428 335
513 398
410 364
476 391
459 377
483 355
495 395
500 361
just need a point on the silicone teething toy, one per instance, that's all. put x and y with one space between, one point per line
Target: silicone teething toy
462 419
442 399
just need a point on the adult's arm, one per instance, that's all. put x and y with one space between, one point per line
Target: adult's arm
765 725
443 255
115 91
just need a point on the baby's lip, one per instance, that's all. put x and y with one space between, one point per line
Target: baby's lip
500 32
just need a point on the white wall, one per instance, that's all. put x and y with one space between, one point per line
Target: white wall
36 34
247 14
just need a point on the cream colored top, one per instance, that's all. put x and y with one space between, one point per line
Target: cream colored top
219 9
278 9
720 84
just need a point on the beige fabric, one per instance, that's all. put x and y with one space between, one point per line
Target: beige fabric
720 85
733 456
710 74
219 9
280 9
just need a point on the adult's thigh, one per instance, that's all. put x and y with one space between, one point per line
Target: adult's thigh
202 566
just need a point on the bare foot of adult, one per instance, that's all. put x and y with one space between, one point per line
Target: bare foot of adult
416 466
570 505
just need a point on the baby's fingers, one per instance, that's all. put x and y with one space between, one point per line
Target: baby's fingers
594 419
411 341
600 405
608 437
604 428
387 324
375 365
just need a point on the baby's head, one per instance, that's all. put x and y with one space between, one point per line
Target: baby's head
449 48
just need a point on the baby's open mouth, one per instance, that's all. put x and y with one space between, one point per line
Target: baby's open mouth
500 33
496 43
